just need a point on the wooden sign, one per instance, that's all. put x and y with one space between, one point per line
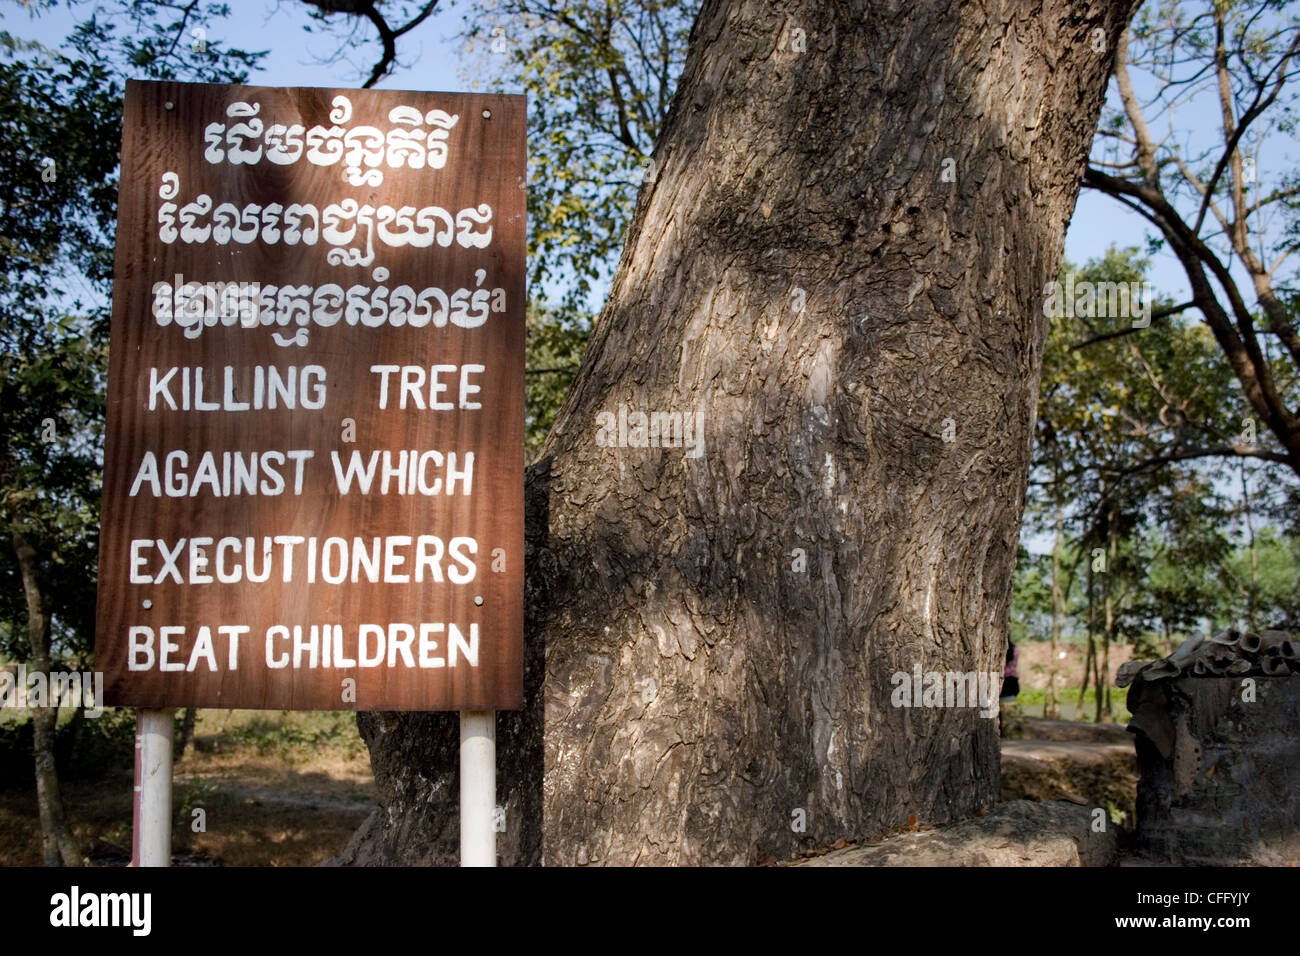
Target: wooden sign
313 478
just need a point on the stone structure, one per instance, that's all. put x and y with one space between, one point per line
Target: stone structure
1012 833
1217 726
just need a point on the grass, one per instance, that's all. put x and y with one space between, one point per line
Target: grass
1032 701
293 736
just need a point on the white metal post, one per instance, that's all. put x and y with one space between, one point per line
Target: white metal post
478 787
153 788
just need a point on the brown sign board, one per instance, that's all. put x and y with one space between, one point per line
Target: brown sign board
313 475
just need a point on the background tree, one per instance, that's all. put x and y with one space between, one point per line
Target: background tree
368 28
553 351
61 109
55 209
1237 61
1115 408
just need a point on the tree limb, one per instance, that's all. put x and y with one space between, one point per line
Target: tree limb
388 35
1157 314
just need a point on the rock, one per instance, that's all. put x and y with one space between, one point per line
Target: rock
1219 769
1012 833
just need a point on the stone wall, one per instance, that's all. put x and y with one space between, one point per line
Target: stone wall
1219 756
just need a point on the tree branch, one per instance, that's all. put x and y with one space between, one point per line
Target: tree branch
388 35
1157 314
1188 454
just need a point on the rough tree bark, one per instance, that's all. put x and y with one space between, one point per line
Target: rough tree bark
845 248
57 843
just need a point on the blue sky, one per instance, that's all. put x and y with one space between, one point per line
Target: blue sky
436 60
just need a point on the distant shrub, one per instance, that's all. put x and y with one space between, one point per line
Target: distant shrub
296 735
104 745
85 749
16 769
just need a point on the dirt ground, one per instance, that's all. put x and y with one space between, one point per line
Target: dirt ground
1092 765
271 789
288 789
1073 758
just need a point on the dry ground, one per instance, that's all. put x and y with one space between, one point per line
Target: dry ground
289 789
274 790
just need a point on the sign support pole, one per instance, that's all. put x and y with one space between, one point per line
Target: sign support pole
152 844
478 787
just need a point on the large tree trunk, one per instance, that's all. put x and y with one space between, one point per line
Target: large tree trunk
844 249
57 843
